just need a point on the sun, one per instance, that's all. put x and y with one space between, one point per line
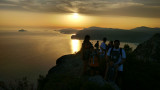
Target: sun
75 18
75 15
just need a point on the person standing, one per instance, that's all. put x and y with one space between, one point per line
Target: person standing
116 56
103 49
110 45
87 48
97 45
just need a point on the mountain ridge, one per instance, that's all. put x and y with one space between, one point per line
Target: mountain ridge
124 35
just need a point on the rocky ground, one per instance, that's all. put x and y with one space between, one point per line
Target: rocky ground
149 50
67 75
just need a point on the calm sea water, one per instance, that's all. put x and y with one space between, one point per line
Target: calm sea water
32 54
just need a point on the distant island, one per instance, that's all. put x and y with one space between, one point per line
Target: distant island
22 30
135 35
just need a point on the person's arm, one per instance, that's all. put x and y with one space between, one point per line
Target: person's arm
122 62
102 49
123 57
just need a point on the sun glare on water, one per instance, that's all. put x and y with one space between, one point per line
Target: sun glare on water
75 46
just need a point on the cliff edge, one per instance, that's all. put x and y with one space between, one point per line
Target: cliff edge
66 75
149 50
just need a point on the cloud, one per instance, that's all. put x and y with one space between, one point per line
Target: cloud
137 8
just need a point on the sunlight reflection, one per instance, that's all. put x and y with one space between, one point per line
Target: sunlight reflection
75 46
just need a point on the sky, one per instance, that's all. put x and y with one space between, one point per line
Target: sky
125 14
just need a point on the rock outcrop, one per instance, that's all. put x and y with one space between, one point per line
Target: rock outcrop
67 75
68 64
149 50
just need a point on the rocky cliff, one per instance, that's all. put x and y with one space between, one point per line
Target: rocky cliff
149 50
66 75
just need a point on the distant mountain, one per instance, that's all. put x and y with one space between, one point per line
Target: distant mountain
146 29
137 35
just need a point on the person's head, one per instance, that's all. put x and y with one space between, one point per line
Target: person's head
104 39
87 38
97 41
111 42
116 43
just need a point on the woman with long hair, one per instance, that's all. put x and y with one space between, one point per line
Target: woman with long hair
87 48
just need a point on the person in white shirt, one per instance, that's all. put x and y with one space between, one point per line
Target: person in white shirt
103 47
116 57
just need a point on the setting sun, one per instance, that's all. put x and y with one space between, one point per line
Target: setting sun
75 15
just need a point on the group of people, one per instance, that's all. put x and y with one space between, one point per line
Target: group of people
106 60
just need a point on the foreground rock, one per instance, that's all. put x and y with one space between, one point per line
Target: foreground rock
149 50
66 75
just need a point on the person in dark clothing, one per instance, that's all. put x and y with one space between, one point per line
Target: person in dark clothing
87 48
97 45
116 57
110 45
103 50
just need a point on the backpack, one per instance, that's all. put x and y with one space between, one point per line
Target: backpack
87 45
114 55
94 60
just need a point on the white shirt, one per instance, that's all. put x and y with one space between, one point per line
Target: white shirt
103 45
120 68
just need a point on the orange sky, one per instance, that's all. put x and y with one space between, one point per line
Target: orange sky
124 14
68 20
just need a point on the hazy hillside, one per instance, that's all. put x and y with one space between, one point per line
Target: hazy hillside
138 34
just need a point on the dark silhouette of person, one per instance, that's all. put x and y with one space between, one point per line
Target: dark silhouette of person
110 45
97 45
103 49
87 49
116 56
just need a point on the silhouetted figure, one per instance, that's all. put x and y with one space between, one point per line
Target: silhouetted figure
97 45
116 57
103 49
110 45
87 48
